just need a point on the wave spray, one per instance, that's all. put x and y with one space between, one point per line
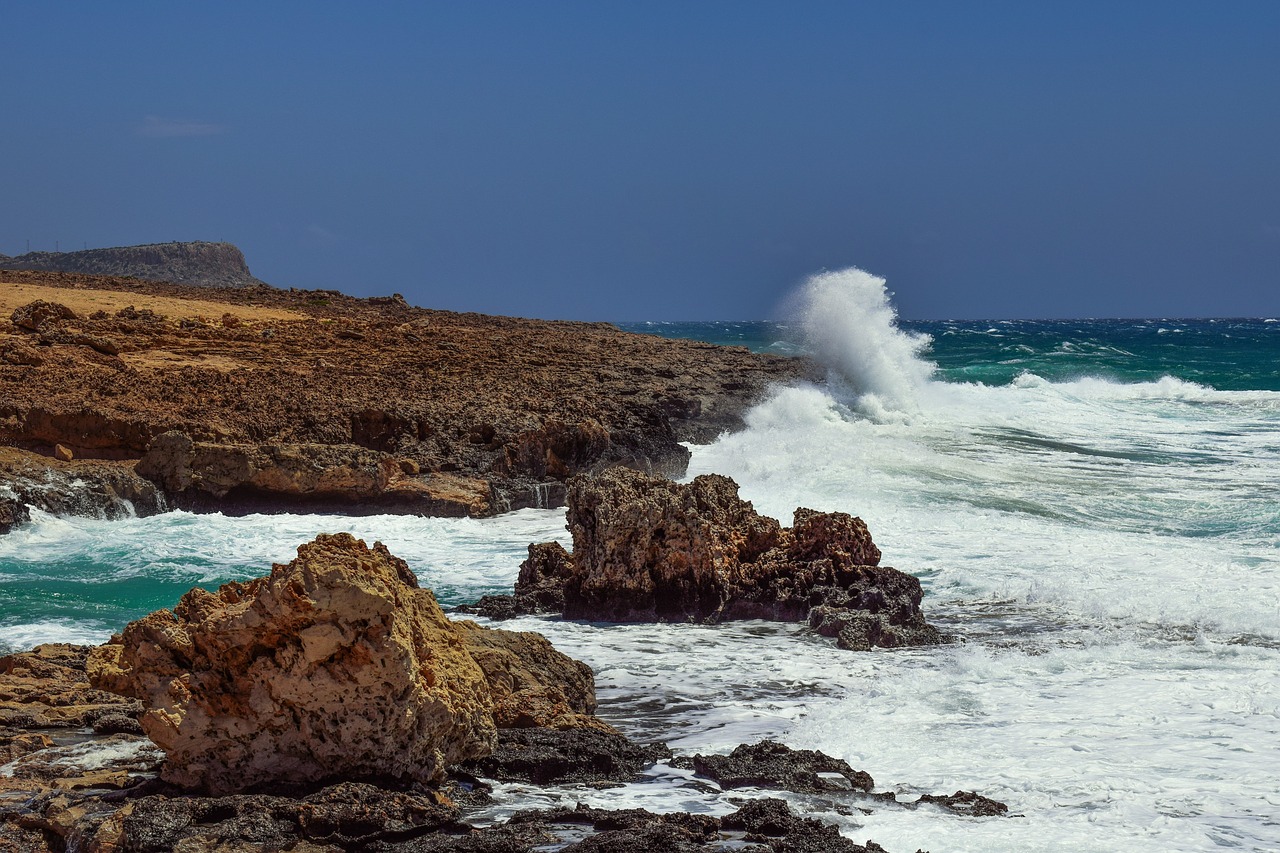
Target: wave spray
851 327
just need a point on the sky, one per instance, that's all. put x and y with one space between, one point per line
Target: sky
666 161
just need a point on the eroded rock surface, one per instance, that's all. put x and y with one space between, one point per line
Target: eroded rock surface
769 764
336 666
649 549
288 400
81 487
544 756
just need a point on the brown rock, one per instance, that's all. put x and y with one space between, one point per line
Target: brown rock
495 412
646 549
35 315
16 352
246 477
63 453
49 687
532 684
337 665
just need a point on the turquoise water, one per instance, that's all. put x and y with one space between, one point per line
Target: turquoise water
1226 354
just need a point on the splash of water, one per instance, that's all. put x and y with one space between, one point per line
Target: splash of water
851 327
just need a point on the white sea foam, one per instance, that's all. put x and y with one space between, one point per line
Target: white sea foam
851 326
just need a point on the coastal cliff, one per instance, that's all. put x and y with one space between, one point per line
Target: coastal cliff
197 263
259 399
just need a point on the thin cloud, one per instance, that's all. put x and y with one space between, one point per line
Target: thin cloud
156 126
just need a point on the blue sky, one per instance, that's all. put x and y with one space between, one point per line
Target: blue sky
691 160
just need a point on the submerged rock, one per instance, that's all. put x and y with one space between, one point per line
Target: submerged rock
769 764
544 756
648 549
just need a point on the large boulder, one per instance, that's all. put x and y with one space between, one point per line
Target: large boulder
336 666
648 549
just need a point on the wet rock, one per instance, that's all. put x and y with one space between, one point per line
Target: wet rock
539 588
769 764
87 487
13 512
544 756
648 549
335 818
772 823
336 666
966 803
111 724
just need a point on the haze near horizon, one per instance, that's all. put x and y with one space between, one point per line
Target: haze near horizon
668 161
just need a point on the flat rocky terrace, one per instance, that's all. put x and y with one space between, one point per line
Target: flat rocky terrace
258 398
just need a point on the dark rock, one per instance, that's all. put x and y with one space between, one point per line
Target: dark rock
543 756
538 589
13 511
967 803
115 723
198 263
84 487
648 549
769 764
771 822
342 815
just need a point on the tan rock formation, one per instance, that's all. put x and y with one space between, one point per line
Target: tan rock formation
532 684
337 665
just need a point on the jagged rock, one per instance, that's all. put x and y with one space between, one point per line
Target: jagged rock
49 687
35 315
532 684
538 589
336 666
648 549
771 822
479 415
966 803
15 352
543 756
87 487
335 818
13 511
769 764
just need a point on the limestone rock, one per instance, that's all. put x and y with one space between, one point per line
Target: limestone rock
49 687
245 477
532 684
35 315
645 548
336 666
88 487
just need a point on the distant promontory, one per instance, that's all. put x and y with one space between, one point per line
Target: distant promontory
196 263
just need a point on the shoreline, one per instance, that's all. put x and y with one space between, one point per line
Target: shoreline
317 401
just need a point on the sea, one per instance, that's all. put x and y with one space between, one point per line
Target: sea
1092 507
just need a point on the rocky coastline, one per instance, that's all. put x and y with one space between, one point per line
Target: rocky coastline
332 705
254 399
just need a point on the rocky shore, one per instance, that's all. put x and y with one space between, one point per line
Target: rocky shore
646 549
258 399
331 706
